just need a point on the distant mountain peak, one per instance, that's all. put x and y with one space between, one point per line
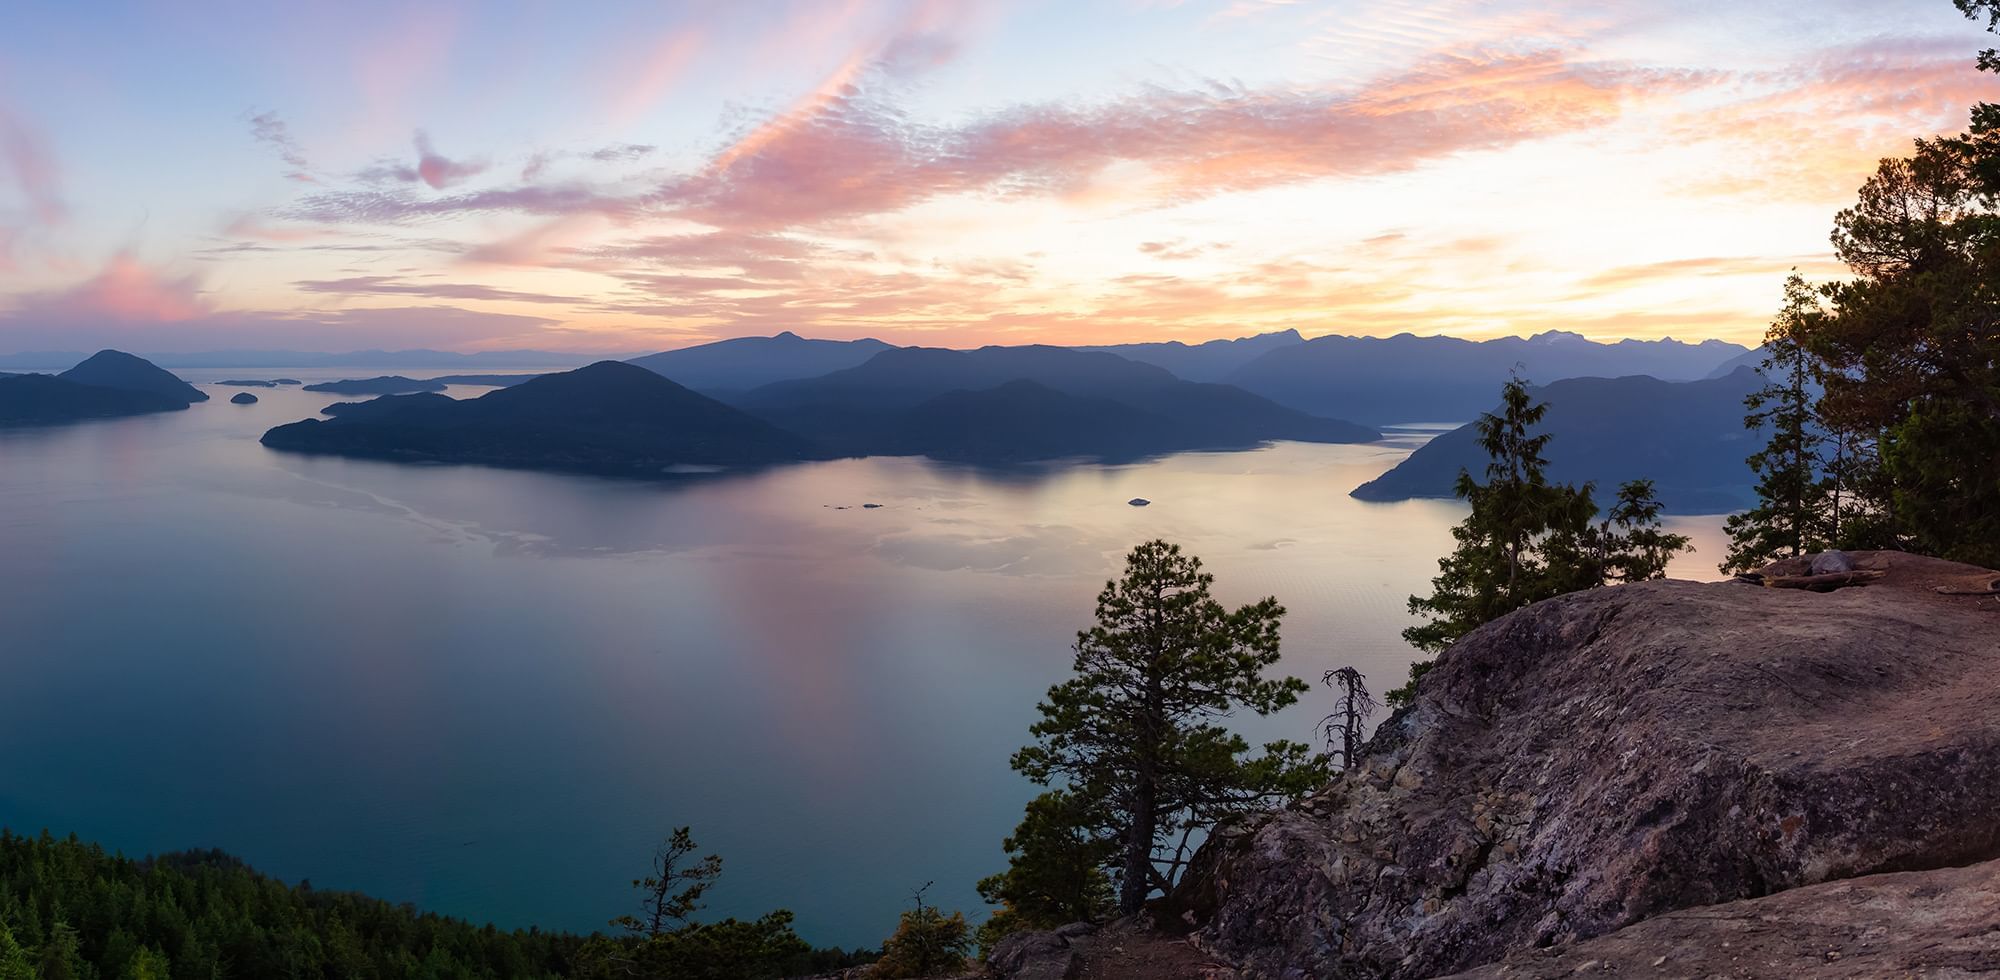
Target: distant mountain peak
117 369
739 364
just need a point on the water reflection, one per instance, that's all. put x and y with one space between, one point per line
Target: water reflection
489 691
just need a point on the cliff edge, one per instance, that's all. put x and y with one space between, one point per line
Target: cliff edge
1610 757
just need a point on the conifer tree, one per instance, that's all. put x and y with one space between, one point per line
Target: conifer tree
1527 539
1055 869
15 964
1796 489
1134 733
1911 342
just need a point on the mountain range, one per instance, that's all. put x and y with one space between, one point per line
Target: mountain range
1214 360
742 363
997 405
1405 378
1687 437
882 404
1005 405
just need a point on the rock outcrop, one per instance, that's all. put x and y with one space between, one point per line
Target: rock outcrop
1123 950
1610 757
1935 924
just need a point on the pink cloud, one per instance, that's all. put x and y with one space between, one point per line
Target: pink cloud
126 290
314 330
131 305
395 67
642 81
439 171
27 157
839 154
393 286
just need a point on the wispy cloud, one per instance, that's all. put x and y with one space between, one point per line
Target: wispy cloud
394 286
269 129
125 290
31 164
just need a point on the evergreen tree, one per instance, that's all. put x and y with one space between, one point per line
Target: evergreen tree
1632 546
1133 733
147 964
1796 510
672 893
15 963
62 955
1527 539
1911 340
1495 569
1055 869
665 940
927 943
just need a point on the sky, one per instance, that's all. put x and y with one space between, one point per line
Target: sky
626 177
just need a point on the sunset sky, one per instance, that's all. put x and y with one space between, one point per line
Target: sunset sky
641 176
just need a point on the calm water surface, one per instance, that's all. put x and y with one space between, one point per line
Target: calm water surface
489 692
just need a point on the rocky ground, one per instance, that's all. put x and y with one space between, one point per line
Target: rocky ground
1943 925
1597 784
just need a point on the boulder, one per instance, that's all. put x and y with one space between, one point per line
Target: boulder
1035 956
1611 756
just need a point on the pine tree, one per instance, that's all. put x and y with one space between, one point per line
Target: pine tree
1796 510
1495 569
1133 732
1055 869
927 943
1911 342
1527 539
672 893
1633 545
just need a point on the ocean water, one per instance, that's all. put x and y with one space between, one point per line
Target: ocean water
489 692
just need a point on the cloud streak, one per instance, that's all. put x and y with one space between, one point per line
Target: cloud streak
392 286
31 164
269 129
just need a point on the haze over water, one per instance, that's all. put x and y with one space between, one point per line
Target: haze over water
489 692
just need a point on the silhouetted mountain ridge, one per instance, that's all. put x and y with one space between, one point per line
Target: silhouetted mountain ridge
1686 436
742 363
1406 378
607 417
117 369
861 410
41 399
1213 360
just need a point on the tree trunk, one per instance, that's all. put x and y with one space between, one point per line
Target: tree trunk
1135 882
1348 730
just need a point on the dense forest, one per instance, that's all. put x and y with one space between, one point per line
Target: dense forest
69 910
